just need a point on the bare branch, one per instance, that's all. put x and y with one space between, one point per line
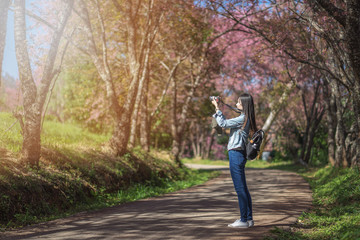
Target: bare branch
56 73
49 25
49 65
170 77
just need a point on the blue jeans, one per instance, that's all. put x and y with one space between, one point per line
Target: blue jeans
237 161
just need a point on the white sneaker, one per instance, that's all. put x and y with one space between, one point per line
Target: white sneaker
239 224
251 223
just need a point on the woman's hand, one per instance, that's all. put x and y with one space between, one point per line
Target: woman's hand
215 104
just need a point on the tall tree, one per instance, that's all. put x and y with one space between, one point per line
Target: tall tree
137 31
139 43
153 24
34 97
313 114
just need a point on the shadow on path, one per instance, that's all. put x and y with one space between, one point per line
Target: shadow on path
200 212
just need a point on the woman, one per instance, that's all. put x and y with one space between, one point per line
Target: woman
237 156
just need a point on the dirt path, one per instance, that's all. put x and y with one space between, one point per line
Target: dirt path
200 212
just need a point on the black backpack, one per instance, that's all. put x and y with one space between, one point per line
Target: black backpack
253 146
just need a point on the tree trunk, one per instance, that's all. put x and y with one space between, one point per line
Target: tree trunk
352 30
182 120
275 109
138 51
208 149
140 92
144 119
4 7
193 146
340 156
204 144
196 139
33 100
178 124
120 114
309 145
314 126
134 120
182 149
350 144
307 129
175 151
199 140
192 138
330 107
313 119
355 161
121 132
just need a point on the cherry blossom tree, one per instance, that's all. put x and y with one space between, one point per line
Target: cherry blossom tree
311 33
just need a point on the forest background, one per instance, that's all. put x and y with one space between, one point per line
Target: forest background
139 75
142 72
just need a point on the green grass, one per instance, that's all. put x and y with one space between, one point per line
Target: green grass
102 199
336 207
10 136
54 135
71 135
77 172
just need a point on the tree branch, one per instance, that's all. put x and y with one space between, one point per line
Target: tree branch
54 46
337 13
55 73
171 75
49 25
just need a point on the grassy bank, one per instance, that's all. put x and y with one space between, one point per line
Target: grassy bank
336 207
336 201
78 172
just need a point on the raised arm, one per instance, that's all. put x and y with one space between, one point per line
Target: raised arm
228 123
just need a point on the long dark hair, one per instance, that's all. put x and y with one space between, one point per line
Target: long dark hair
248 106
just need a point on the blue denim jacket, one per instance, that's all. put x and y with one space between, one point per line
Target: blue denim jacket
238 138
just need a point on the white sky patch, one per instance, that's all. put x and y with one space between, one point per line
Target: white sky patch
10 65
